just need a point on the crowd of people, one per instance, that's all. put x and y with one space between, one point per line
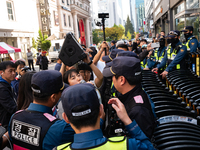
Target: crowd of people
66 108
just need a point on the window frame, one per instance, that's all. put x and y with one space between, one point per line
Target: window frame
12 9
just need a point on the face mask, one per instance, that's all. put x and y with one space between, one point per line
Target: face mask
174 42
187 35
169 41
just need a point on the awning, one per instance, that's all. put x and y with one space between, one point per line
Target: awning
52 37
5 48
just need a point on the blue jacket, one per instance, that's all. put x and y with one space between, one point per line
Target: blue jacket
137 140
8 104
15 84
57 66
193 44
151 62
180 55
60 132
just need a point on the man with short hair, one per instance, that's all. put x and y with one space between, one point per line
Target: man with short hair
113 45
44 61
162 33
122 45
36 127
82 109
126 77
8 104
30 59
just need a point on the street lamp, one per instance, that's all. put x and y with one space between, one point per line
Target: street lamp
103 16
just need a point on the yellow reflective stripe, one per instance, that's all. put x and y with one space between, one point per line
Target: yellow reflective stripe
178 66
110 57
112 85
112 71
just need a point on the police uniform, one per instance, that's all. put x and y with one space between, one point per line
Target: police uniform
36 127
156 57
94 139
191 44
191 41
136 100
174 58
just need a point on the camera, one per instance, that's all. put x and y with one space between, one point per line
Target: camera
26 68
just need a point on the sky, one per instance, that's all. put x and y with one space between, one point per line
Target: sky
125 7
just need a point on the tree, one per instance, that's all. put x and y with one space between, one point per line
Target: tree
46 44
97 36
129 27
129 35
34 44
39 39
114 33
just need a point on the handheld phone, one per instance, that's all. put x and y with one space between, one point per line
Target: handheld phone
155 45
2 131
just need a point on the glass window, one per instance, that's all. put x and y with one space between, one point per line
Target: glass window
193 21
179 24
67 2
64 20
192 4
179 8
69 21
63 1
10 11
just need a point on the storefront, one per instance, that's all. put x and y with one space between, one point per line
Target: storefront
187 13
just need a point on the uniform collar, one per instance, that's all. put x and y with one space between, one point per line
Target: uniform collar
88 136
190 37
40 108
129 94
179 43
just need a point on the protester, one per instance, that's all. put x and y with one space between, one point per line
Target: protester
121 45
44 61
113 45
83 111
30 59
19 73
37 121
58 65
162 33
8 104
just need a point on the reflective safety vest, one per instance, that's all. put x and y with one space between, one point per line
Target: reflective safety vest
171 56
113 90
187 44
158 59
143 65
114 143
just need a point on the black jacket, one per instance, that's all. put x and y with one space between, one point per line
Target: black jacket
8 104
138 107
44 62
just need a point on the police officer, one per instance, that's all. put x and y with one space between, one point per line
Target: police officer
191 41
36 127
126 77
174 54
157 55
83 110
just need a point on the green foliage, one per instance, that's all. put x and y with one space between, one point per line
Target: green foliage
97 36
129 26
39 39
42 42
129 35
46 44
114 33
34 44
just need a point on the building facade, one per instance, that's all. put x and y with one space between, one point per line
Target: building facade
137 10
19 24
114 8
149 16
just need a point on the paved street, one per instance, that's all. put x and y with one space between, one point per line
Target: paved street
51 66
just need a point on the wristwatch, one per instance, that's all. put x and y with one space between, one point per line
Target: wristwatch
90 63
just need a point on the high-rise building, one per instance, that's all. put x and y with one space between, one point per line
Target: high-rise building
137 14
114 8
